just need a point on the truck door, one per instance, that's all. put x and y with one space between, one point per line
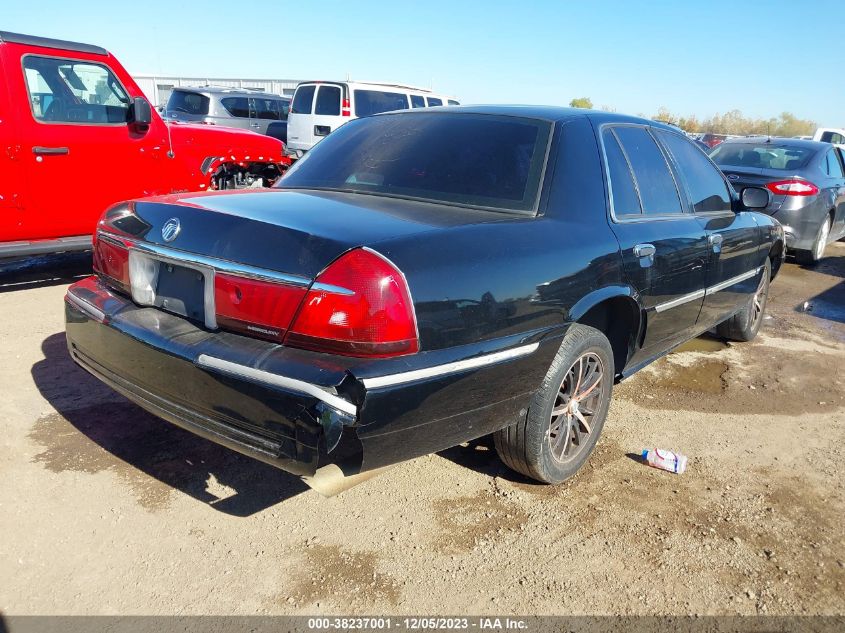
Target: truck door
78 153
664 249
11 183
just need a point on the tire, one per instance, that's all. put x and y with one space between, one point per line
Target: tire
552 448
812 257
744 325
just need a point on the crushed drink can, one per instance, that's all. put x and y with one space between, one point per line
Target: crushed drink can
665 460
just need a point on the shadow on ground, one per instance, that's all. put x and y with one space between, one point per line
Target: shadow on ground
43 270
94 429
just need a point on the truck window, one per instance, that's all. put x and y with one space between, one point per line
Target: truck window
188 102
453 102
70 91
434 101
236 106
417 101
369 102
303 99
328 101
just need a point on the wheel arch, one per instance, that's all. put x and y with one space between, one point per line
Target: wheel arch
616 312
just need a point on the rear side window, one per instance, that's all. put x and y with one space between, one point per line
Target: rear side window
833 168
188 102
417 101
655 183
706 187
328 101
477 160
434 101
236 106
368 102
832 137
70 91
302 100
266 108
625 198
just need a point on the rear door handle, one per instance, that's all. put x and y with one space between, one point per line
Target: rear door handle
644 250
50 151
715 240
322 130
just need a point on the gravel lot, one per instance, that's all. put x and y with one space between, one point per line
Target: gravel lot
104 509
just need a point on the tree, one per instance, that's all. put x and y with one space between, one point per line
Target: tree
581 102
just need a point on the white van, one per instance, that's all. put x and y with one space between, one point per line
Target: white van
318 107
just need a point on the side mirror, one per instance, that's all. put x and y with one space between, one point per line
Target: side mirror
755 198
140 113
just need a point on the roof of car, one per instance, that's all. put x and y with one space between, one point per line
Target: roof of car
46 42
230 90
777 141
548 113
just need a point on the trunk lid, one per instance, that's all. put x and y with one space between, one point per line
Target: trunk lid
287 231
742 177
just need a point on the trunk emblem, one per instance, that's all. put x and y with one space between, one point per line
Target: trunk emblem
171 229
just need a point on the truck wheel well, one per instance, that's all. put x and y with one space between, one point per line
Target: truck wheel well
618 318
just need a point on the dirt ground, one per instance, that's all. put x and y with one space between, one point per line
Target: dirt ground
104 509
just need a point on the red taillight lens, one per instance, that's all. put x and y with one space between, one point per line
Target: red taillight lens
345 108
111 260
793 187
259 308
359 306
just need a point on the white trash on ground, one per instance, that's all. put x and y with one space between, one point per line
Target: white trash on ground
665 460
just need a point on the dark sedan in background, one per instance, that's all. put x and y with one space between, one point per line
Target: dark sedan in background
424 278
807 180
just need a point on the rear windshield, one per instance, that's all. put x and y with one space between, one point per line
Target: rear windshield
302 100
188 102
368 102
492 162
760 155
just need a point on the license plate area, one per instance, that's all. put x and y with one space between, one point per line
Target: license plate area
173 286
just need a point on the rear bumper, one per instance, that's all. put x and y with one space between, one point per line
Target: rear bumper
289 407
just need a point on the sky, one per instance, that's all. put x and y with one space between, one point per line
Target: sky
691 56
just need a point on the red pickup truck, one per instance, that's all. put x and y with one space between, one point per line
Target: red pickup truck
77 135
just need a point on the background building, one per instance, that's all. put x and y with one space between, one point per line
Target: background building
158 88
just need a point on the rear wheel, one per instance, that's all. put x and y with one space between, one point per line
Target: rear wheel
744 325
813 256
567 414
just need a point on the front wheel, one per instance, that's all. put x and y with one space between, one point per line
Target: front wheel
812 257
744 325
567 413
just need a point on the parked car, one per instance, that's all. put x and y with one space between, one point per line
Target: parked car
256 110
322 106
75 121
424 278
807 180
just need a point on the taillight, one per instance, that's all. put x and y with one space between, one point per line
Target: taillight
359 306
793 187
260 308
345 109
111 260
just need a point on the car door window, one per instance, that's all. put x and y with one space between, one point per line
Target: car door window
622 188
72 91
833 168
328 101
706 187
303 99
266 109
654 181
236 106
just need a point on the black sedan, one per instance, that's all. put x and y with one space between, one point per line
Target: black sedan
424 278
807 181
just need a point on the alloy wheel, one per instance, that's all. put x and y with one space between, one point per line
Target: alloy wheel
578 399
